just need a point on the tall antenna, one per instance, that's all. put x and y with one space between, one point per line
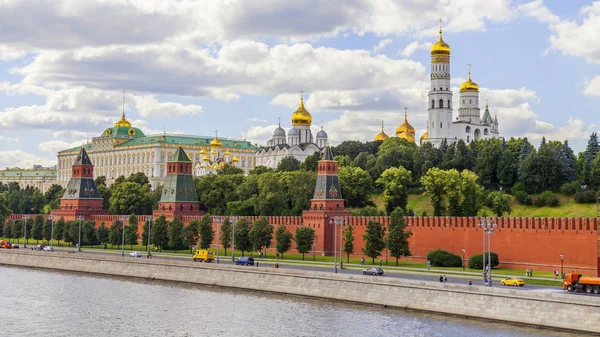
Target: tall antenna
123 103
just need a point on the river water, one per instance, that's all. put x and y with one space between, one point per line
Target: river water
45 303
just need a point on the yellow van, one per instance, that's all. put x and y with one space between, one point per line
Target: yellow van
204 255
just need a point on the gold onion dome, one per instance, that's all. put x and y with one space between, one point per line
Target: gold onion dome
235 159
469 85
301 117
203 151
213 151
440 48
206 158
227 153
381 136
123 121
405 127
423 137
216 142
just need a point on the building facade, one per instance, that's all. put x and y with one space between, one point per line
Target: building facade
469 125
125 150
299 142
38 177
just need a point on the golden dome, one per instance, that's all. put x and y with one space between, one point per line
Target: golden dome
227 153
205 158
213 151
405 127
381 136
123 121
423 137
301 116
440 48
235 159
216 142
408 136
203 151
469 85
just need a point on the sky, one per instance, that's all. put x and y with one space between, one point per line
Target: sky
236 66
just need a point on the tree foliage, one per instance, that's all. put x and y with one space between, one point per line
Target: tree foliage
398 235
374 239
283 240
305 236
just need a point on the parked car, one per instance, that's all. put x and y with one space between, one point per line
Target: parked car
48 249
135 254
373 271
38 248
14 246
512 281
245 261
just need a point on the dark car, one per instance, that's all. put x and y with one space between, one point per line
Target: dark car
14 245
245 261
373 271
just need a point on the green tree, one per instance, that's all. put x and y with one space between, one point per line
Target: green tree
305 236
47 230
53 195
569 172
131 198
225 232
115 233
191 233
398 235
499 202
131 231
207 235
8 229
38 229
357 184
160 232
453 193
4 210
74 232
348 241
271 196
283 240
311 162
288 164
175 234
242 239
487 163
395 181
374 239
230 169
145 233
102 234
105 193
88 234
59 227
261 234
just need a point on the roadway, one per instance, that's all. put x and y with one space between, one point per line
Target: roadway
323 267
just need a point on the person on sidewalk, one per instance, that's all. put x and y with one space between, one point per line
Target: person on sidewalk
441 278
362 261
380 262
470 282
445 279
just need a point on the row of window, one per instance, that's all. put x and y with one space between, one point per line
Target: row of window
440 105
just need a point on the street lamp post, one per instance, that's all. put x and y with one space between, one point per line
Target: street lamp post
80 218
25 234
342 222
233 221
123 219
336 221
149 229
463 259
218 221
51 217
314 244
561 266
488 228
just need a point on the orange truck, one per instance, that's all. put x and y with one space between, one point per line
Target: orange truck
5 244
575 282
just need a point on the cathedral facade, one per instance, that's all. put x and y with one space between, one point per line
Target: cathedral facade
299 142
469 125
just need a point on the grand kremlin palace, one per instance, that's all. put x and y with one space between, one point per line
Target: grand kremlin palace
125 150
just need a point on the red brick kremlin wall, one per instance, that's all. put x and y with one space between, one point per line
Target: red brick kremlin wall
521 243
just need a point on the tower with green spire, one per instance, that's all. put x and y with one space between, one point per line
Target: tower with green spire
178 197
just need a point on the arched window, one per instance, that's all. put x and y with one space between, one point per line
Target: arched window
433 89
432 103
441 103
485 132
441 89
468 130
440 125
470 101
448 103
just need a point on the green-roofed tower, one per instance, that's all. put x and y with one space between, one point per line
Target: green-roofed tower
178 197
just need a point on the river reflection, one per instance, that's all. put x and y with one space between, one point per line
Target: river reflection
44 303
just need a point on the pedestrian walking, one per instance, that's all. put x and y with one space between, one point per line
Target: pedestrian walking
277 256
470 282
380 262
445 279
256 264
441 278
530 272
362 261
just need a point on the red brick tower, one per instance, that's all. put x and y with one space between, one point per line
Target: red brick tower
178 197
81 195
326 205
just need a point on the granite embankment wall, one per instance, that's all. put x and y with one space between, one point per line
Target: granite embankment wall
552 310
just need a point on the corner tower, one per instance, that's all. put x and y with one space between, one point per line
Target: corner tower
178 196
440 96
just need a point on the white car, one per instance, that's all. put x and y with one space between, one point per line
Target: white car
135 254
48 249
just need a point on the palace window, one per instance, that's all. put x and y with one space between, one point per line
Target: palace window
441 103
432 104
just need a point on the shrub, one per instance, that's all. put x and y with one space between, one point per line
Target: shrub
410 212
523 198
547 198
424 213
570 188
585 196
442 258
475 261
518 187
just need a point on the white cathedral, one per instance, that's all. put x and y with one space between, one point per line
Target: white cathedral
469 124
299 142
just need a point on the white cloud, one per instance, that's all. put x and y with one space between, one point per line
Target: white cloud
536 9
382 44
51 147
23 159
10 139
574 39
147 106
592 88
413 46
256 120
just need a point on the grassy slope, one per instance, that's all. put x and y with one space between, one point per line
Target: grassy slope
567 208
